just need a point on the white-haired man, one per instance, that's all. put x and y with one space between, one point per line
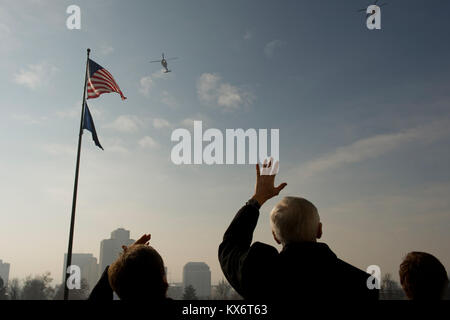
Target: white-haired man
304 269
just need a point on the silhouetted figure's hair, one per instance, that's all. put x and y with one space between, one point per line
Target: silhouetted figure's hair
423 277
295 219
139 274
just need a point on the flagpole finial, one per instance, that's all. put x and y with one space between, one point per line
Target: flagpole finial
88 50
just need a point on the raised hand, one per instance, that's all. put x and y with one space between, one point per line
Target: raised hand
145 239
265 181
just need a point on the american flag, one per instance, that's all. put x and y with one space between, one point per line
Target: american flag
100 81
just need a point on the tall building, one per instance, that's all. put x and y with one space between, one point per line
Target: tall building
4 272
111 248
88 267
198 275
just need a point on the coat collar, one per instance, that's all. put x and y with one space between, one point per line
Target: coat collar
312 248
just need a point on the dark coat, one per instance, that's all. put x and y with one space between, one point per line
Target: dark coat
305 271
102 290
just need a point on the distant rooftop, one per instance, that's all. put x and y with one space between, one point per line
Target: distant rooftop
196 265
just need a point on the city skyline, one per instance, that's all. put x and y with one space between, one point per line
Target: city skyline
91 270
110 250
363 119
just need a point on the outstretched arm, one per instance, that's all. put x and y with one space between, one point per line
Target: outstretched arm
234 249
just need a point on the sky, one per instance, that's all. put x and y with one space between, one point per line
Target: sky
363 116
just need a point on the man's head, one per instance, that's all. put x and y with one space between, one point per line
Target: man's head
295 220
423 276
138 274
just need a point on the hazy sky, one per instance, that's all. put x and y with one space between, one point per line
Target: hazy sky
363 115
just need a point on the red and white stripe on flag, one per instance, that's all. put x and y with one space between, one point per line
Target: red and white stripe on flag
100 81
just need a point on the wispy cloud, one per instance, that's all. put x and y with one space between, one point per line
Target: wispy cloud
405 208
4 30
29 119
168 99
269 48
116 148
7 38
147 83
125 123
160 123
115 145
375 146
75 112
189 122
211 90
106 49
147 142
35 76
60 149
69 113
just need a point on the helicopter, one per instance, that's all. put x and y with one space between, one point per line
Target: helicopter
376 1
164 63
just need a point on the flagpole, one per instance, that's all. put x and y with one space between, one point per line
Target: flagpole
75 187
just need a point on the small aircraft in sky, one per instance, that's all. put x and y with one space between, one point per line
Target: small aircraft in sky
375 4
164 63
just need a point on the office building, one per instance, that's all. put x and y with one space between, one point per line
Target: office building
4 272
198 275
110 249
88 267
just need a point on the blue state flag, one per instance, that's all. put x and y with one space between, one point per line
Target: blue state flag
88 124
